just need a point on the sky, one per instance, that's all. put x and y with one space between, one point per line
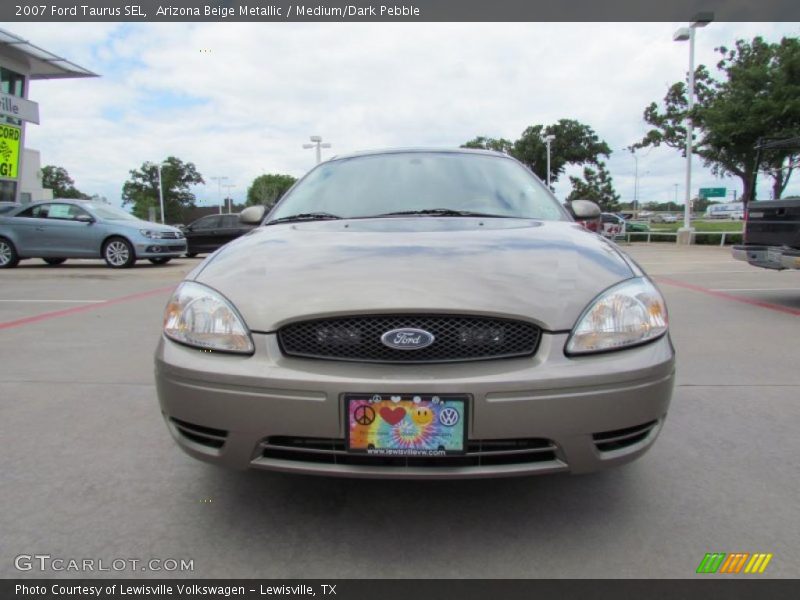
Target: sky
240 99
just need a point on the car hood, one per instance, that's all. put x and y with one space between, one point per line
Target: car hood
544 272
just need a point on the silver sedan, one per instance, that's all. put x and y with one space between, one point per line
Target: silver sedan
56 230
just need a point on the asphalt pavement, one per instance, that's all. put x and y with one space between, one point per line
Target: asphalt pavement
89 471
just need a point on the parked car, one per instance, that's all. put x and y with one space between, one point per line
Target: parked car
664 218
56 230
8 206
211 232
612 225
635 226
455 323
771 235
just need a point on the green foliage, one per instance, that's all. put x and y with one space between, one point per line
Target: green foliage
267 189
58 180
757 95
575 144
141 189
497 144
596 186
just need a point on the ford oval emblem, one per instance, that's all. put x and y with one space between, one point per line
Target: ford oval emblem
407 339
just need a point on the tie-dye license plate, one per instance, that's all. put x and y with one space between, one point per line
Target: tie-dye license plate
406 424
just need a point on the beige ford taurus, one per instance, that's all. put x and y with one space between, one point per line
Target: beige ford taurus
417 313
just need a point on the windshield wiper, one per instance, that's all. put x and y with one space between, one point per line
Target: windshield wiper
442 212
312 216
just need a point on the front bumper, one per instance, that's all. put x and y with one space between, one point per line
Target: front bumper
591 412
768 257
160 249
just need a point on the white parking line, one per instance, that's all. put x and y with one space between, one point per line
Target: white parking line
28 301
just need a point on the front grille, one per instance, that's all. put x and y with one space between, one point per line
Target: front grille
457 338
617 439
207 436
170 235
479 453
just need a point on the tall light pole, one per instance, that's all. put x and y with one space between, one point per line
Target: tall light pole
635 181
318 145
228 188
219 181
160 192
683 34
547 140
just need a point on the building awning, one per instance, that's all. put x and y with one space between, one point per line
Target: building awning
43 64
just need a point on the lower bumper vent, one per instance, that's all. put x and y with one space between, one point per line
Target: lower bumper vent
617 439
479 453
206 436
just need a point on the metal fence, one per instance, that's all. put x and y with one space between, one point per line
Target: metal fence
647 234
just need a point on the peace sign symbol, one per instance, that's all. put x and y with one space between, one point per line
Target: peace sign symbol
364 415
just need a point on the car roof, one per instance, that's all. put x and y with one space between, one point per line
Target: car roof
421 150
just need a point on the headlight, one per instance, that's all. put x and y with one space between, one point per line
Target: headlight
198 316
627 314
149 234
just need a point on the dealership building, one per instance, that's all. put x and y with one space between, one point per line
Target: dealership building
20 63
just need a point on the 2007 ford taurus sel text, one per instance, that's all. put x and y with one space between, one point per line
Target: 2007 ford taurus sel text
417 313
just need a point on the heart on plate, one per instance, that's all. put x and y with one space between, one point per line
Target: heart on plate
392 415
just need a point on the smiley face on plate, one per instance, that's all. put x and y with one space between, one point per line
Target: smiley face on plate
422 415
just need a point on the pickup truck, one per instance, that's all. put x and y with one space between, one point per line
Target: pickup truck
771 235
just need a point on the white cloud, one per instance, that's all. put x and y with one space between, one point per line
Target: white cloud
247 104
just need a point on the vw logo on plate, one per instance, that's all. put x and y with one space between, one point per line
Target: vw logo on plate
407 339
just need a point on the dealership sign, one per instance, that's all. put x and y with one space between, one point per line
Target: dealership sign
9 151
19 108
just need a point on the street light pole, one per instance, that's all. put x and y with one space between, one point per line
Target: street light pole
683 34
219 181
317 143
228 188
635 182
160 192
547 140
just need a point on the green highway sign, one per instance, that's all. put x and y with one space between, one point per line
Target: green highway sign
713 192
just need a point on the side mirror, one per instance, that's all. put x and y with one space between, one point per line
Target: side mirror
252 215
84 219
583 210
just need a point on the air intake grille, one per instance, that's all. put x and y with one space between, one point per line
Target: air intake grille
607 441
207 436
457 338
479 453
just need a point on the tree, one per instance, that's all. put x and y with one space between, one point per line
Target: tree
575 143
485 143
596 186
141 189
58 179
267 189
754 97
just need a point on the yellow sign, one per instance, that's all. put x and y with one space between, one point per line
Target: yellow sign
9 151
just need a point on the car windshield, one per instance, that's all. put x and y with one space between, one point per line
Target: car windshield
112 213
439 182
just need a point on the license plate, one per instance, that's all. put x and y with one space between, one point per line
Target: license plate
406 424
774 255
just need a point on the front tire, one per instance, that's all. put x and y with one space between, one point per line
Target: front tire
161 260
54 261
192 254
118 253
8 254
